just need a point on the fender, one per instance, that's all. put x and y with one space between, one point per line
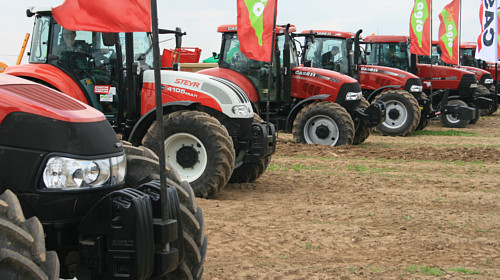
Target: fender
143 124
295 110
236 78
49 75
376 92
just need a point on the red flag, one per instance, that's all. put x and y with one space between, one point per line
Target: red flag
449 36
420 28
105 15
256 21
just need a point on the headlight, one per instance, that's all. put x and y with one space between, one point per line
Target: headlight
415 88
353 96
473 85
241 110
69 173
488 81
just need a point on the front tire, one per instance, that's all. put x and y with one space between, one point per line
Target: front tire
22 244
449 120
424 122
143 167
199 148
248 172
362 131
324 123
402 113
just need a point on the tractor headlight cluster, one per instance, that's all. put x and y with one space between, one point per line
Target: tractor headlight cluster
488 81
69 173
415 88
353 96
241 110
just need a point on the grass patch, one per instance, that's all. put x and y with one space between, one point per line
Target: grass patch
464 270
444 133
433 271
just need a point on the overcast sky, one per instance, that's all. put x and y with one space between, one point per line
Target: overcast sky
200 18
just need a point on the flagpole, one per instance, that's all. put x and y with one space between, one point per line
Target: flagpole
431 51
269 80
459 31
159 109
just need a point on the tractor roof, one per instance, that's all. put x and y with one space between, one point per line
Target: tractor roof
329 33
468 45
232 28
386 38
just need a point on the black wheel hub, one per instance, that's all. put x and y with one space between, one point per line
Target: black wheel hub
393 114
187 156
322 131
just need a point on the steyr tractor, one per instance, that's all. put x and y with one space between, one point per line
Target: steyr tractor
452 91
212 135
400 91
77 202
318 106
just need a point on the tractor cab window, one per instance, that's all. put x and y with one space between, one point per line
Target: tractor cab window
143 50
84 56
40 39
256 71
467 57
434 59
390 55
329 53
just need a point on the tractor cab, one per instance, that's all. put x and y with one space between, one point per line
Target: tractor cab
256 71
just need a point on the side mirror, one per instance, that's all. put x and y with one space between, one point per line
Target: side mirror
215 55
349 43
109 39
403 46
178 37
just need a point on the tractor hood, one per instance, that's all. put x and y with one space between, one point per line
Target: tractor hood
210 91
444 77
374 77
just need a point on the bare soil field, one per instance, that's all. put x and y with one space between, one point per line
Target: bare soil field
418 207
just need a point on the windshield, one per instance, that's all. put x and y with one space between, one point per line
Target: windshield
467 57
39 41
328 53
436 57
388 54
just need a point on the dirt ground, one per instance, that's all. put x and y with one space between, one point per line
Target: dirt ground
392 208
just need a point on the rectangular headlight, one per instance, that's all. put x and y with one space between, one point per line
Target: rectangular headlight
415 88
488 81
353 96
68 173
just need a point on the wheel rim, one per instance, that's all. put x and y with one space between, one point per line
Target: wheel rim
451 118
396 115
188 155
322 130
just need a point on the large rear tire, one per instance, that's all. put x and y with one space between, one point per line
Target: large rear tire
324 123
248 172
449 120
402 113
22 244
199 148
362 131
142 167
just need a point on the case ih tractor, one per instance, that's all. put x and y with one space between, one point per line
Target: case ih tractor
452 91
77 202
212 135
318 106
485 80
400 91
469 62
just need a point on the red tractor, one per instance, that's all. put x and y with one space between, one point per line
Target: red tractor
482 69
451 90
211 133
77 202
318 106
400 91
